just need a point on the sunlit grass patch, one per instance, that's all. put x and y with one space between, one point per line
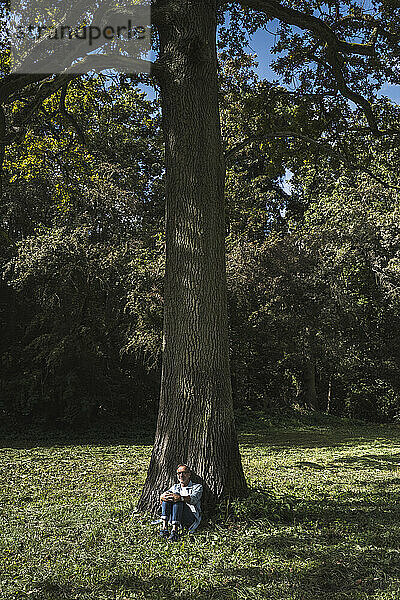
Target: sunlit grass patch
322 521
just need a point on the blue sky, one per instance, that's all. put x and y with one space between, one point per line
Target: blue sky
260 44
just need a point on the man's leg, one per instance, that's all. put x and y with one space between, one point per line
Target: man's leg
166 513
177 510
187 517
181 515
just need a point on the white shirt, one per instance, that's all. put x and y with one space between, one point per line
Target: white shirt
195 491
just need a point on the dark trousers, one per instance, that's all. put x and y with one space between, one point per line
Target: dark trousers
177 513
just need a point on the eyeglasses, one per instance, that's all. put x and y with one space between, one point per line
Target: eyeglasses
181 472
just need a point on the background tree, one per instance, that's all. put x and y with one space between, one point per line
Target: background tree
320 281
78 223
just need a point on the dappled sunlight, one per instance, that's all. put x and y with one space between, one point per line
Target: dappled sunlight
321 437
321 520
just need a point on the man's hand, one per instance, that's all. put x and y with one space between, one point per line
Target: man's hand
170 497
166 496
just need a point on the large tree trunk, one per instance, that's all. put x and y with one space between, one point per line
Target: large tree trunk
195 422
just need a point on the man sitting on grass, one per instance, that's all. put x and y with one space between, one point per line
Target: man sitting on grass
181 505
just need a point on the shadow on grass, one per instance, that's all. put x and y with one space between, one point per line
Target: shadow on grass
393 481
323 566
337 549
328 438
334 549
129 586
342 549
274 440
380 462
260 505
51 590
28 441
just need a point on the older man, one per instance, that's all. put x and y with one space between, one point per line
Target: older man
181 505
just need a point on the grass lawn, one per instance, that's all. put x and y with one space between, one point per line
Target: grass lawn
322 521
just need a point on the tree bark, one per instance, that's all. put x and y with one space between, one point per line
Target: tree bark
310 392
195 422
329 396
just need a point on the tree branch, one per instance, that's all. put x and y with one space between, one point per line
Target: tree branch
368 21
304 21
96 62
10 84
2 146
334 47
69 117
229 155
350 94
45 91
101 62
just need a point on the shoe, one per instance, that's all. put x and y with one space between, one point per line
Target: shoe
174 537
163 533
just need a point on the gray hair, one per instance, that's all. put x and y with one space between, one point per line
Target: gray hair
186 467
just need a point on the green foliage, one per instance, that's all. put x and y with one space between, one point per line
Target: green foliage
325 294
77 222
258 505
313 268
